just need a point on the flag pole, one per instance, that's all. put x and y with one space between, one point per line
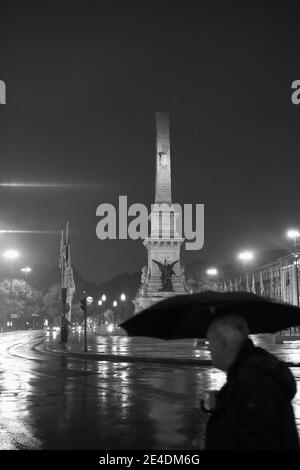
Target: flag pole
63 338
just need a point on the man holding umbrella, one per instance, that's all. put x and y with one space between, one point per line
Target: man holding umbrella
253 409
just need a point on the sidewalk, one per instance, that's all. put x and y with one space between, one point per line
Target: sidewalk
145 350
181 353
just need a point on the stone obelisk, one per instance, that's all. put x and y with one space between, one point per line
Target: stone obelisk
164 243
163 159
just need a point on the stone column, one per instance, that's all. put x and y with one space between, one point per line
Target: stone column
163 159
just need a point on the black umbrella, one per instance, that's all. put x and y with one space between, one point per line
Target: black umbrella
188 316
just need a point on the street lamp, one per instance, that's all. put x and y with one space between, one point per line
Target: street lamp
26 271
212 272
103 298
294 234
115 304
85 302
123 299
11 255
100 303
245 257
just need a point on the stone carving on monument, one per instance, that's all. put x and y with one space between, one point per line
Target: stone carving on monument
183 281
166 275
163 167
145 277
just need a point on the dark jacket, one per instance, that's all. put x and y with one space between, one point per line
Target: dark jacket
253 409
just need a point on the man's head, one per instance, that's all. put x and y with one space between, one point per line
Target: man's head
225 336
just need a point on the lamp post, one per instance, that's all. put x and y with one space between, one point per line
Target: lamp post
11 255
115 304
100 310
26 271
89 301
123 300
294 234
103 298
245 257
212 272
83 306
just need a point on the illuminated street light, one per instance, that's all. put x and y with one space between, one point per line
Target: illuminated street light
246 256
212 272
123 299
103 298
11 254
293 234
115 304
26 270
100 303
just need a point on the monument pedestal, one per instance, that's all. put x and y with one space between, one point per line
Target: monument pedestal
151 291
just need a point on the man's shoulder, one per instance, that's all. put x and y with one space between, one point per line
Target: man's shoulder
263 371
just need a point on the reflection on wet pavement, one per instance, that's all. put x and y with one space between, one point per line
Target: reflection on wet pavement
57 402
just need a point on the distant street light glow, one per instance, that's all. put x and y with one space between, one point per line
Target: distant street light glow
103 298
212 271
115 303
246 256
26 270
293 234
11 254
99 303
123 297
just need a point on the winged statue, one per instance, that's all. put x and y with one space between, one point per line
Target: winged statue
166 274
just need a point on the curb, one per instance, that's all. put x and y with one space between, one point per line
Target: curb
133 359
138 359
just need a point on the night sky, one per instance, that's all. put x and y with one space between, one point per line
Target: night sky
84 80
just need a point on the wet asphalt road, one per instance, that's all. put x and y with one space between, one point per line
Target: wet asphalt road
51 401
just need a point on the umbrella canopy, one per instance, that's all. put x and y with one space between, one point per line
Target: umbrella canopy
189 316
